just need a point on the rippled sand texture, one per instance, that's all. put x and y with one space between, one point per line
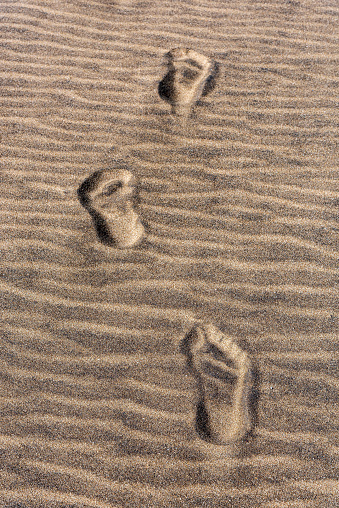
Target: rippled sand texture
241 208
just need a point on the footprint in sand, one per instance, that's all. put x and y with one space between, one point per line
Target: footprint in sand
190 75
225 381
107 195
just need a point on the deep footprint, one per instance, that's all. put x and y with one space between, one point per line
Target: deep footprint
190 75
225 381
107 195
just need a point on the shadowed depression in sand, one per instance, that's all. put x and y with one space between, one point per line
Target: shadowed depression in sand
107 195
190 75
225 381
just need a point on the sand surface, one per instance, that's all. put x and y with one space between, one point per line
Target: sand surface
241 209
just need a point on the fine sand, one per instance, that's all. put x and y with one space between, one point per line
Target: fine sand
240 207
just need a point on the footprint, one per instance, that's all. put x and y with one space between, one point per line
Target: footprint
225 381
190 75
107 195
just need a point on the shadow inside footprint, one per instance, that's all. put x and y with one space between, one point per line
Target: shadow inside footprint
212 79
254 398
202 425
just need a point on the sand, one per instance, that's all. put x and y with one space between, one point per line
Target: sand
240 207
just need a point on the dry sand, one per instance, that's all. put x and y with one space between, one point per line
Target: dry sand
241 209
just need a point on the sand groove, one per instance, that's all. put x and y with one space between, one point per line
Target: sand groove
97 406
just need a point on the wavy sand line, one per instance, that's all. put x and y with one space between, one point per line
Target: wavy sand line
37 497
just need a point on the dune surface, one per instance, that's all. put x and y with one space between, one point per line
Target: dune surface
240 207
